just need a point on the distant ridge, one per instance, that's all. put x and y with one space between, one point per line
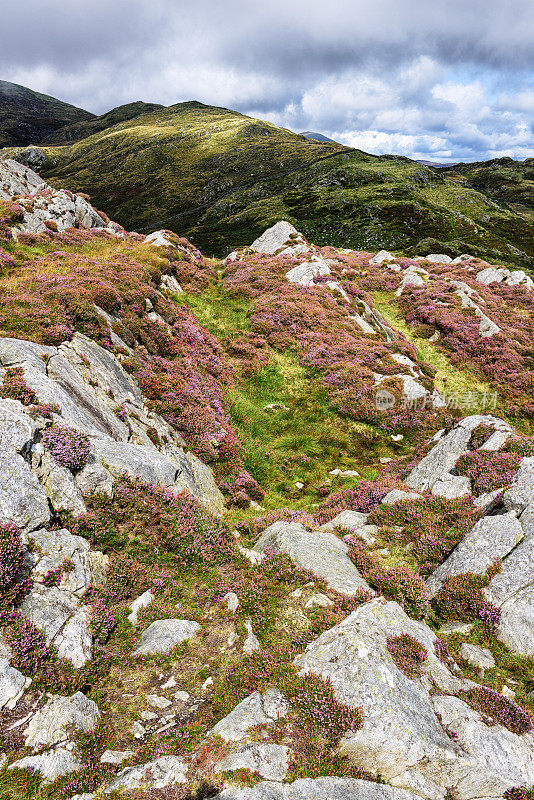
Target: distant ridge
318 137
28 117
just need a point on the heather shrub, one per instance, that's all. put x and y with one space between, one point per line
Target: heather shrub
28 644
68 447
13 585
400 583
432 526
365 498
497 709
488 470
461 598
15 387
145 520
407 653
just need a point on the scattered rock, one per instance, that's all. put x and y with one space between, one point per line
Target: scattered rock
251 643
164 771
477 656
140 602
256 709
320 551
164 634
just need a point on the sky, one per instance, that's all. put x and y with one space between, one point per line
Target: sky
442 80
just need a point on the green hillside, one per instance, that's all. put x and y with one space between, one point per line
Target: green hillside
221 178
503 179
27 117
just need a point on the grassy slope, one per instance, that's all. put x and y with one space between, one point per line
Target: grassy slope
27 117
221 178
82 129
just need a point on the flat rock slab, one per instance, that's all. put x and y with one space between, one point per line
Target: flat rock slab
256 709
270 761
318 789
51 724
437 464
52 764
490 538
320 551
164 771
164 634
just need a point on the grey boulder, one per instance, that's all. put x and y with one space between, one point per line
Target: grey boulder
164 634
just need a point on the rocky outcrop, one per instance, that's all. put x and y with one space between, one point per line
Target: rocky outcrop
406 720
320 551
434 471
43 206
318 789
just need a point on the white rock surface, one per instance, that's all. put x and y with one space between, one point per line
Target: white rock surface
320 551
50 725
164 634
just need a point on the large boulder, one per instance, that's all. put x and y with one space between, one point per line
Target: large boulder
320 551
164 634
256 709
406 720
12 685
53 723
275 238
52 764
437 465
329 788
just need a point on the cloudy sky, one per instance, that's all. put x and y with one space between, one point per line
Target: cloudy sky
444 80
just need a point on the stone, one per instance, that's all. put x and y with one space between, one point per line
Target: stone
251 643
256 709
401 738
58 483
304 273
22 499
270 761
318 600
490 538
140 602
353 520
453 628
477 656
492 275
52 764
115 756
319 551
164 771
156 701
397 495
32 157
201 484
164 634
329 788
171 285
94 477
136 460
452 487
50 548
520 495
232 601
381 257
438 258
274 238
50 725
13 684
65 623
17 428
516 626
438 463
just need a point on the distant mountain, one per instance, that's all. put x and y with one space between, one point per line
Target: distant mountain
80 130
318 137
432 163
27 117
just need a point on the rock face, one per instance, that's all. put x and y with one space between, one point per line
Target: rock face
318 789
42 203
402 738
50 725
434 470
164 634
320 551
12 685
164 771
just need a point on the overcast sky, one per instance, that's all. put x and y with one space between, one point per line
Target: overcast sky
444 80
